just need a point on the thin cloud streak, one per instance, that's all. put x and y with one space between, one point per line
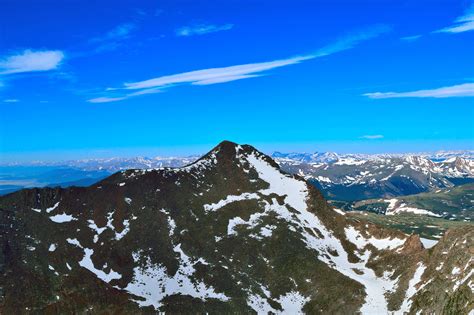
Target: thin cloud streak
109 41
351 40
462 24
31 61
121 31
201 29
105 99
411 38
238 72
11 100
372 137
215 75
461 90
225 79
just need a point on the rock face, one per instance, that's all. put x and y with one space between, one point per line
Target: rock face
230 233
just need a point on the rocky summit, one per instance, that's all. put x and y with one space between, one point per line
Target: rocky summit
230 233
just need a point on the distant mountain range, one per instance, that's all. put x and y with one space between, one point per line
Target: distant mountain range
328 157
112 165
15 176
357 177
230 233
346 177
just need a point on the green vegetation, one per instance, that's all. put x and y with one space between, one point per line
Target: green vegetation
456 202
425 226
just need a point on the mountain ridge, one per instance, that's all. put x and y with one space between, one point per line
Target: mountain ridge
228 233
331 172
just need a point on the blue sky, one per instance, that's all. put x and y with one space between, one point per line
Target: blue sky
95 79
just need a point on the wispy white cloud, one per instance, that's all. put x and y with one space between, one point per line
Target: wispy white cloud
215 75
119 32
352 39
145 91
11 100
31 61
225 79
198 77
201 29
461 90
108 99
105 99
411 38
111 40
237 72
462 24
372 137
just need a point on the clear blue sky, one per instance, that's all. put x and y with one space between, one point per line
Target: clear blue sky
104 78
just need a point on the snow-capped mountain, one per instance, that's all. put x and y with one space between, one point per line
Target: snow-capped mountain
445 155
357 177
317 157
115 164
327 157
230 233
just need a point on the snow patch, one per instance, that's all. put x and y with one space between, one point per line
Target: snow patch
349 161
427 243
153 283
293 302
410 292
403 208
62 218
339 211
48 210
361 242
281 184
87 263
267 231
229 199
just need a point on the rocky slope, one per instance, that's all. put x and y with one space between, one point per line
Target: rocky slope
230 233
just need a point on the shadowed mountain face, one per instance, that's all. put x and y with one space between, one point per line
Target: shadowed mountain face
230 233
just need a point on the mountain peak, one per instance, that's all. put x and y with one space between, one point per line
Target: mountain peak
229 152
230 233
226 149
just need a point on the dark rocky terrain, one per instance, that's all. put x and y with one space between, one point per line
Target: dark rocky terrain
230 233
